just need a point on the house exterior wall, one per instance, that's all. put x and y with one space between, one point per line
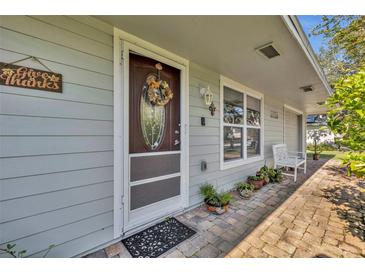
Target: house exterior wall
292 130
56 150
205 140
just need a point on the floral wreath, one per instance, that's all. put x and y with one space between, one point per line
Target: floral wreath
158 91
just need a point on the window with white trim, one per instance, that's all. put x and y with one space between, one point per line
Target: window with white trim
241 124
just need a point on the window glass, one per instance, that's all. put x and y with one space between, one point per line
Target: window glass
232 143
152 122
233 106
253 142
253 111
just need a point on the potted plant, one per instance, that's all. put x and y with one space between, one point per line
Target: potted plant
215 202
224 199
272 174
256 181
245 189
275 175
210 197
316 135
264 173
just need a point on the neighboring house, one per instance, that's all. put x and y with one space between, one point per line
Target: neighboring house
84 168
319 122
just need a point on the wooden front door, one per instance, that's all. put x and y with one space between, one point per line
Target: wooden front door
154 141
167 137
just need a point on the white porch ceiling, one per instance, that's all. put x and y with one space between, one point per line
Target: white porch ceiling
226 45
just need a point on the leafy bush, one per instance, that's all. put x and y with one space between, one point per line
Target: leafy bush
346 114
355 163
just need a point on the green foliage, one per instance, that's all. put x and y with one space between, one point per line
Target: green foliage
244 186
322 147
264 173
212 197
345 50
272 174
346 111
355 164
10 250
277 175
255 178
224 198
207 191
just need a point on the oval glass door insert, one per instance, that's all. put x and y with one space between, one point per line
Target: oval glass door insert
152 122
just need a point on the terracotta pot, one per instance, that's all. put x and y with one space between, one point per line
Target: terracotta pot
316 156
257 184
266 180
225 207
211 208
217 209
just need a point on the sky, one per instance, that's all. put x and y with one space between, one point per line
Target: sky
308 22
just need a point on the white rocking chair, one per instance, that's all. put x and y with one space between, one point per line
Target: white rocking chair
284 158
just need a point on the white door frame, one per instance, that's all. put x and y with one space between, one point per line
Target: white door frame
123 44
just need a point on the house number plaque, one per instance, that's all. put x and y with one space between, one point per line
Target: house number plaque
24 77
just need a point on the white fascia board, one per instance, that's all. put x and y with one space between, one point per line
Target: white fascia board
296 30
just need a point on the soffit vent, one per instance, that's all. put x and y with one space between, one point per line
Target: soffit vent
268 50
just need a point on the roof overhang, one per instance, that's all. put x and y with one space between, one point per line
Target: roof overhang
226 45
296 29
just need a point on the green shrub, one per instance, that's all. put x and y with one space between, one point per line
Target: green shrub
346 113
355 163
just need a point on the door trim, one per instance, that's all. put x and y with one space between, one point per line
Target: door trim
123 44
303 125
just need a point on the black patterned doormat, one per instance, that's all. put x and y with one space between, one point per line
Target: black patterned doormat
156 240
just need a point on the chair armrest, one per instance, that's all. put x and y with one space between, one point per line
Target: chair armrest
303 154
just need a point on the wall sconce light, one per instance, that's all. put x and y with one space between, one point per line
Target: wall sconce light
207 94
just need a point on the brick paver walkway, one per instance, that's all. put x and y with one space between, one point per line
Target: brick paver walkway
218 235
325 217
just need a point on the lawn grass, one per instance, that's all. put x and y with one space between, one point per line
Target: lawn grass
328 154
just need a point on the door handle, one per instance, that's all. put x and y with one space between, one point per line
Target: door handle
176 142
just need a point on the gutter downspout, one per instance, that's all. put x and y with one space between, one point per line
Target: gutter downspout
296 30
